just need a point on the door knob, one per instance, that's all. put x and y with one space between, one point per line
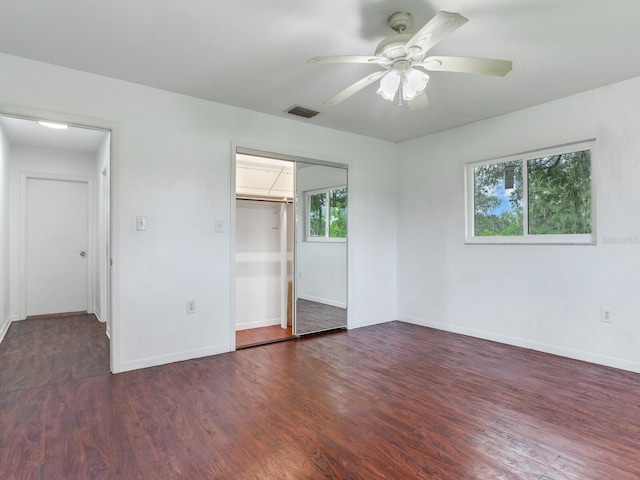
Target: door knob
83 253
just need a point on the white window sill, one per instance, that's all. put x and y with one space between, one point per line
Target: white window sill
325 240
587 239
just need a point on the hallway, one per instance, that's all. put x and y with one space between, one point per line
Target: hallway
43 351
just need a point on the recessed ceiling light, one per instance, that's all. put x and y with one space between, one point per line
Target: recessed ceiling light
57 126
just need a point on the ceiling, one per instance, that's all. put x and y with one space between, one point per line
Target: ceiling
262 177
252 54
22 131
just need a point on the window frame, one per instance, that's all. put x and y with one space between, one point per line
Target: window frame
526 238
307 222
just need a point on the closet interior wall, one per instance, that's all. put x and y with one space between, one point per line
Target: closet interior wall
264 262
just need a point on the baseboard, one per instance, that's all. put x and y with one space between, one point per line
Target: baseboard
5 327
171 358
371 321
108 331
324 301
257 324
51 316
559 350
98 315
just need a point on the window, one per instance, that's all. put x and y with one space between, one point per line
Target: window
327 214
539 197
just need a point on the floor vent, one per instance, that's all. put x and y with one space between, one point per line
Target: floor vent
302 112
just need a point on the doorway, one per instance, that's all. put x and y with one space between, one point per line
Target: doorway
264 250
58 224
290 247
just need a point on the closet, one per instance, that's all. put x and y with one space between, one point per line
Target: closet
290 247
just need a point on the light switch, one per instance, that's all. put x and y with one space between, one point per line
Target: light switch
141 224
219 226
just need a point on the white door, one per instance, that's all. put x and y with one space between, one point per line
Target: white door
57 242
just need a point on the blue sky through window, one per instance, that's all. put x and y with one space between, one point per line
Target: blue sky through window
503 195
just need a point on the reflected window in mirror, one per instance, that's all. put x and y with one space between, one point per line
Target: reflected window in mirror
326 214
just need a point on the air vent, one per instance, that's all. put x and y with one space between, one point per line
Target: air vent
302 112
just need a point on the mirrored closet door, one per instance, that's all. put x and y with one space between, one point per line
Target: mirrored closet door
291 247
321 248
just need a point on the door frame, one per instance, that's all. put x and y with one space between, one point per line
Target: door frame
103 248
113 272
238 146
91 281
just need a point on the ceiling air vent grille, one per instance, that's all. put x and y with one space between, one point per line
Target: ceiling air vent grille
302 111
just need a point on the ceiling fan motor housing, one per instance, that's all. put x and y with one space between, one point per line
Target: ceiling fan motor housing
400 21
393 47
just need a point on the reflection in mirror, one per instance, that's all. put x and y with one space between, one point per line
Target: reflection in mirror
321 248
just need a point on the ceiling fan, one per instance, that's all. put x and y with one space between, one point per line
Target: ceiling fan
403 58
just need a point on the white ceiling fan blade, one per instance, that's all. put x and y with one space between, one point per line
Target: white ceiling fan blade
443 24
356 87
351 59
483 66
419 103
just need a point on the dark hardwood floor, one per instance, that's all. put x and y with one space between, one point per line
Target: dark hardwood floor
261 335
311 317
55 349
392 401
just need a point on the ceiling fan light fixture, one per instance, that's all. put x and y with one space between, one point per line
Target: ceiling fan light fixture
389 85
413 83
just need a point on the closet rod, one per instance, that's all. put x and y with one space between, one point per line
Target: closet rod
264 200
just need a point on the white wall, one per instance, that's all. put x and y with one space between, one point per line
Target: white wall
25 159
546 297
171 163
321 266
5 318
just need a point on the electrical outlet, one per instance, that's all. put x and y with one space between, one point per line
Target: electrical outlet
606 315
191 306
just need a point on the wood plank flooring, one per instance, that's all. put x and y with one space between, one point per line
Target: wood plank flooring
262 335
47 350
392 401
311 317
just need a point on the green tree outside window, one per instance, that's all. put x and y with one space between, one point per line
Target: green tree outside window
557 201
